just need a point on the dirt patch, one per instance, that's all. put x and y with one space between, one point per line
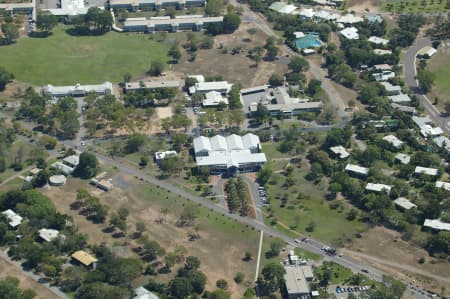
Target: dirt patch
8 269
218 261
385 249
235 68
364 6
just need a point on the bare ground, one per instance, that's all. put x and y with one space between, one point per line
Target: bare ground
218 260
8 269
385 249
362 6
234 68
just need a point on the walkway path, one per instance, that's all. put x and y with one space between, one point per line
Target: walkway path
258 260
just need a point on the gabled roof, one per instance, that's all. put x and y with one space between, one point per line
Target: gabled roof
48 234
436 224
357 169
426 170
251 141
202 144
14 219
234 142
404 203
378 187
84 257
218 143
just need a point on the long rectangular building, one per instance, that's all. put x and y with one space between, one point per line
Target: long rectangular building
134 5
152 84
179 23
78 90
231 154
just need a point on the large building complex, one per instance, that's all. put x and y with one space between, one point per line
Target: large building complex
277 101
134 5
179 23
230 155
69 8
297 281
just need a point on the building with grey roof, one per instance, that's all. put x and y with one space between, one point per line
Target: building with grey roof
340 151
391 90
297 286
357 170
279 102
436 224
403 158
394 141
400 98
426 170
134 5
406 109
231 154
378 187
179 23
152 84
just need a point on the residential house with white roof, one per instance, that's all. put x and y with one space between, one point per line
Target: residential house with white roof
391 89
404 203
442 142
403 158
426 170
378 187
426 130
443 185
383 76
394 141
349 19
356 169
143 293
382 52
378 40
436 224
426 51
400 98
14 219
340 151
68 164
350 33
48 234
283 8
306 13
231 154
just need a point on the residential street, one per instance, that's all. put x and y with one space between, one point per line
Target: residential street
409 68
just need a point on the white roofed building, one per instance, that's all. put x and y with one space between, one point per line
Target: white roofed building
350 33
69 8
297 286
349 19
382 52
78 90
426 51
400 98
48 234
68 164
443 185
404 203
14 219
426 170
340 151
356 169
378 187
283 8
394 141
403 158
222 87
143 293
436 224
391 89
214 98
378 40
231 154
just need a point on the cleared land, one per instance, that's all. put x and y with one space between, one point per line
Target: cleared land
8 269
385 249
222 242
219 61
416 6
65 59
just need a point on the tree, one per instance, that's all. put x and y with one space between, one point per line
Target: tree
214 7
239 277
439 243
198 280
40 179
275 247
100 290
222 284
87 167
180 287
175 53
171 165
46 22
134 142
298 64
275 80
248 256
9 289
153 249
262 114
426 79
273 274
447 107
192 263
10 32
5 78
156 68
140 228
231 22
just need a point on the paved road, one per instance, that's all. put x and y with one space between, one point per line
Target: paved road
312 245
409 69
35 277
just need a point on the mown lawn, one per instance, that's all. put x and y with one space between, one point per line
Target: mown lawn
65 59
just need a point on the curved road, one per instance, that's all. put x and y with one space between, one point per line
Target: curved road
409 69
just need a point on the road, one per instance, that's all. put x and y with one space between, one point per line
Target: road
410 72
318 73
312 245
35 277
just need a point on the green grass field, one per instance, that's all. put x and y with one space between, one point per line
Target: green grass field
442 75
416 6
65 59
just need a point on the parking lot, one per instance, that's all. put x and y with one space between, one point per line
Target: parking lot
342 292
